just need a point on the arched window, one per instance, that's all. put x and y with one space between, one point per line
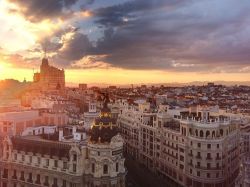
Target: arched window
196 132
201 134
105 169
213 134
207 133
74 157
221 132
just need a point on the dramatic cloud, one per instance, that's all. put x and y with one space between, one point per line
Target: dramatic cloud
197 35
172 35
37 10
75 46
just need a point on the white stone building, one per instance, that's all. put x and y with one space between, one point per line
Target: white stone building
198 151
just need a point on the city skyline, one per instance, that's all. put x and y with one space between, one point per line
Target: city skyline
124 42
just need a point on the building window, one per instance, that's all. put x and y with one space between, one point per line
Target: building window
199 144
198 155
218 146
217 165
198 164
5 173
14 174
22 176
191 171
55 182
208 165
38 160
64 165
74 167
64 183
181 166
30 178
56 163
209 146
74 157
208 156
93 168
198 173
105 169
117 166
217 175
38 179
208 175
46 183
47 162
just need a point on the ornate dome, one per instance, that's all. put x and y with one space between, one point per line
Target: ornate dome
104 127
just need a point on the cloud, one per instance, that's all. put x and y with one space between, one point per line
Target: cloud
37 10
172 35
118 14
91 61
199 35
19 61
75 46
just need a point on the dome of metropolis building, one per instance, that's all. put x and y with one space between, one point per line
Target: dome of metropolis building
104 127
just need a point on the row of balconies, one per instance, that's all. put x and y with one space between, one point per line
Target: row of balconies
207 168
207 158
34 180
45 163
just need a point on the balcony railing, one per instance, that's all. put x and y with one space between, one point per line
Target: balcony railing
209 158
218 158
198 157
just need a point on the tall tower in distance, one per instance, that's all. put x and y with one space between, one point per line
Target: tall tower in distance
50 78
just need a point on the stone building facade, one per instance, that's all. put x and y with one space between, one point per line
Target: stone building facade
196 151
50 78
66 157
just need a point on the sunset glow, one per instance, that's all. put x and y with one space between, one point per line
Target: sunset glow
95 48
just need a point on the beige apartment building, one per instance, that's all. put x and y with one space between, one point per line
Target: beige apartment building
194 149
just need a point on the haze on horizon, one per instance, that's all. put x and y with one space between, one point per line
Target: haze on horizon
127 41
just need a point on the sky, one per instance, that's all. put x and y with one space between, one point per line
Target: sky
127 41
